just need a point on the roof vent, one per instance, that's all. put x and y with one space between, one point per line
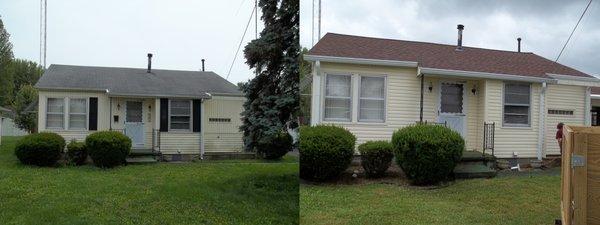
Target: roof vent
518 44
203 65
149 62
460 28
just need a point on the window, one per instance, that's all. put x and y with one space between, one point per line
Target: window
55 109
372 99
221 120
338 97
179 115
517 102
452 98
560 112
77 113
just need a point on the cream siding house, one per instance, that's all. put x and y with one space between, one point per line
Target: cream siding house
374 86
161 111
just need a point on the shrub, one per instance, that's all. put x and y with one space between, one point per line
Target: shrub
427 153
108 148
375 157
41 149
325 151
274 146
76 153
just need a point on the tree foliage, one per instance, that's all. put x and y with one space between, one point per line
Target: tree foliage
6 78
305 88
25 120
272 97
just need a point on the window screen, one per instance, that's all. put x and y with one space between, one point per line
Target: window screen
55 109
372 99
77 113
517 103
452 98
134 112
338 97
179 114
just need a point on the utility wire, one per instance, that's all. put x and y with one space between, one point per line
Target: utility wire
573 31
240 44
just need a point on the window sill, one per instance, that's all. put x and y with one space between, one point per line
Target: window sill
355 123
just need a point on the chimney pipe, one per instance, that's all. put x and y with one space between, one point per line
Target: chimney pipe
149 62
518 44
460 28
202 65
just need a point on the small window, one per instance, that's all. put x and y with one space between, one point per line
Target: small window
179 114
560 112
372 99
338 97
77 113
55 109
452 98
517 100
220 120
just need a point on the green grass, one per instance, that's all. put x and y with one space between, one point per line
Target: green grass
507 200
191 193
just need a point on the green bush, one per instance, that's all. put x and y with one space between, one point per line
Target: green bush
325 151
274 146
427 153
108 148
41 149
375 157
76 153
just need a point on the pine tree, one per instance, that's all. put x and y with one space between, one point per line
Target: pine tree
6 56
272 98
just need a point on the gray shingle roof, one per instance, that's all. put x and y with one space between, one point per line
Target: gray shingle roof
136 82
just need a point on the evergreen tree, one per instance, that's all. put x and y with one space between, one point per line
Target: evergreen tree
272 97
6 56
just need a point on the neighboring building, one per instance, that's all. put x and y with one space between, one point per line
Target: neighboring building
166 111
9 128
595 114
374 86
2 112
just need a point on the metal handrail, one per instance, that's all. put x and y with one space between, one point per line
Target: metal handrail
488 136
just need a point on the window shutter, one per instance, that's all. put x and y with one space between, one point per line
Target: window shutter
197 120
93 119
164 114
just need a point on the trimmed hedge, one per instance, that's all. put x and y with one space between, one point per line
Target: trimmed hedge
427 153
375 157
108 148
76 153
41 149
274 146
325 151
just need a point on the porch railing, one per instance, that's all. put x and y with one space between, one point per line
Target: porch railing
488 136
445 123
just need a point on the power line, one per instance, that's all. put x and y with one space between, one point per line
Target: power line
573 31
240 44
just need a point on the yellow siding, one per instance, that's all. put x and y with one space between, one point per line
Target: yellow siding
562 97
180 142
523 140
223 136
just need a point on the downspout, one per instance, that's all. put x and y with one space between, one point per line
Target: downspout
201 129
110 121
542 122
421 102
587 109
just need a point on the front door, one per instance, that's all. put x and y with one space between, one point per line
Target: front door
451 110
134 126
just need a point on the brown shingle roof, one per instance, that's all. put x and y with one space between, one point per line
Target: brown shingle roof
595 90
440 56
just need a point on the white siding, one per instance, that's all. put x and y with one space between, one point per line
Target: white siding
180 142
119 109
223 136
562 97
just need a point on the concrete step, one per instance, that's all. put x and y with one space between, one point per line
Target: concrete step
473 170
141 160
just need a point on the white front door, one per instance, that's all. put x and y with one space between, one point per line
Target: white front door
451 108
134 126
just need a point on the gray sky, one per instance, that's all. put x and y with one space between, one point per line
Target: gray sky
120 33
544 26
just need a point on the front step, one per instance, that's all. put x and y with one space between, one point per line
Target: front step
475 165
141 159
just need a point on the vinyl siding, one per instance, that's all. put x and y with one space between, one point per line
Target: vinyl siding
180 143
223 136
522 140
562 97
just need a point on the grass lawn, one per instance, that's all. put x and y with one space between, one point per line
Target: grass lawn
191 193
504 200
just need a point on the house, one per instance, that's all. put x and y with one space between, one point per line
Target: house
2 111
374 86
184 113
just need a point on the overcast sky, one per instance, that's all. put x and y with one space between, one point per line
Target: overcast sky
544 26
120 33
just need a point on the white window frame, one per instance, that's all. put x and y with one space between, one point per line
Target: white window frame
190 115
362 98
504 124
325 97
64 112
87 113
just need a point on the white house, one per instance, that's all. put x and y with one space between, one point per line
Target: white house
374 86
162 111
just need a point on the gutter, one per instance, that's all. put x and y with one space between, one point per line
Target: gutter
363 61
484 75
